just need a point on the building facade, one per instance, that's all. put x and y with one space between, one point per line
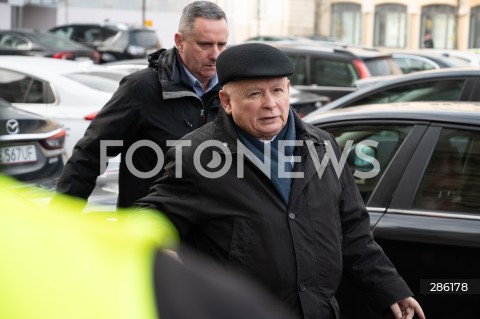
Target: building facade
452 24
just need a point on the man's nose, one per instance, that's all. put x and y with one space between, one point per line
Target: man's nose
215 52
269 101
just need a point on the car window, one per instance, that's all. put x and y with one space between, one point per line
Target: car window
11 41
85 34
66 32
52 41
409 65
19 88
381 66
366 159
447 90
300 75
146 39
452 179
117 41
333 73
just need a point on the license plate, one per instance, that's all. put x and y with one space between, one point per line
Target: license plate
18 154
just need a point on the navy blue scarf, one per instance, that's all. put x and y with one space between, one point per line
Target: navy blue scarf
282 184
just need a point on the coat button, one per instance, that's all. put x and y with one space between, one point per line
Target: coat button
291 215
302 286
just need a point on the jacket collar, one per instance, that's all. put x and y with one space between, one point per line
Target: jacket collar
225 132
172 77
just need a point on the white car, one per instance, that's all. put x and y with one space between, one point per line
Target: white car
66 91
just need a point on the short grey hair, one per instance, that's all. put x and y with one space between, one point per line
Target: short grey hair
198 9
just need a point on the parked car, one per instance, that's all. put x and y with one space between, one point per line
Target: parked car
451 84
65 91
421 186
332 69
424 59
40 43
31 146
466 58
302 102
114 41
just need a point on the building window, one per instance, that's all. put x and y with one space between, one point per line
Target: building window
390 26
440 22
474 38
346 22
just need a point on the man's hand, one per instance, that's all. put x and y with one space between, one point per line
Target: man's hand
406 308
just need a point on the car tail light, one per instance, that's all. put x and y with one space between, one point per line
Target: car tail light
90 116
64 55
361 68
56 141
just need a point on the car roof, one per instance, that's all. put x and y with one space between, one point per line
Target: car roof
438 58
391 81
471 57
111 25
142 61
317 46
39 65
450 112
454 72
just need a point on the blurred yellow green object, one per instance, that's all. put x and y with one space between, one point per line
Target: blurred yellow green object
59 264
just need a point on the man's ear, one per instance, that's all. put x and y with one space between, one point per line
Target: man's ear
225 100
178 38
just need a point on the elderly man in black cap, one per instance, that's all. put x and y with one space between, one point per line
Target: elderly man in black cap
249 191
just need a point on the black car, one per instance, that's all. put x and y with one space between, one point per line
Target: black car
114 41
31 146
451 84
332 69
40 43
417 166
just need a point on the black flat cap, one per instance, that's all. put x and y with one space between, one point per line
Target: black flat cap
252 61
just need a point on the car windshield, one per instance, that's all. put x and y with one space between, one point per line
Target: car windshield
97 81
446 90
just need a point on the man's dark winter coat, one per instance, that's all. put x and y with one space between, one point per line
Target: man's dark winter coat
297 251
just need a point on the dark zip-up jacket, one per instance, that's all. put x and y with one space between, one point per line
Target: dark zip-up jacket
155 104
297 251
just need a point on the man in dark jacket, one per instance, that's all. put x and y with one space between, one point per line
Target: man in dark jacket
253 190
175 95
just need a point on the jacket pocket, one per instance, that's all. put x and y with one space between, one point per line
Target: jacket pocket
242 244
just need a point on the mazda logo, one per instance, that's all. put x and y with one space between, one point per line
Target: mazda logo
13 127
